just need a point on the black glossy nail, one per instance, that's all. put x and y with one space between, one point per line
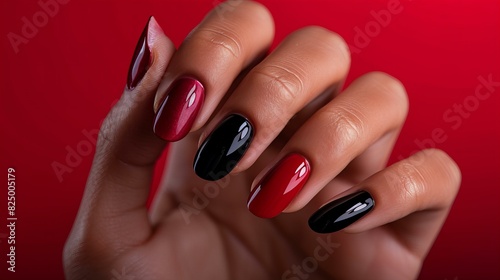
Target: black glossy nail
341 212
223 148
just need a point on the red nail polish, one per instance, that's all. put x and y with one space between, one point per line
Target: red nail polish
179 108
279 186
141 59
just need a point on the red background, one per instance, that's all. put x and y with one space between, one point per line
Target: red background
64 80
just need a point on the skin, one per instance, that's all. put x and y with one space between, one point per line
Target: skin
347 139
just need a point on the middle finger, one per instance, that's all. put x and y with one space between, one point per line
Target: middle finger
304 65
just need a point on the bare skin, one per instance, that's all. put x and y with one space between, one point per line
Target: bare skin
293 100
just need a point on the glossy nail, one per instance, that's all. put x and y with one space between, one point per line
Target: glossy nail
279 186
179 109
223 148
341 212
142 55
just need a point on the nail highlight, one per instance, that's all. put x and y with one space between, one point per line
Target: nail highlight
142 55
342 212
179 109
279 186
223 148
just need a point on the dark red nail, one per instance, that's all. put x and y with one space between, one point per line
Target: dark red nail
179 108
141 59
279 186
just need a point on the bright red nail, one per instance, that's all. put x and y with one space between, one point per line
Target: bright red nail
279 186
179 109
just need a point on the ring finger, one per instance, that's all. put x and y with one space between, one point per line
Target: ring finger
373 106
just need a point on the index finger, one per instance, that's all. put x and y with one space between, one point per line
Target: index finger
206 65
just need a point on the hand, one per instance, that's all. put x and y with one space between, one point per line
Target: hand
278 125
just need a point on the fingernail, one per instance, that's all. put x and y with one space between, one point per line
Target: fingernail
179 109
342 212
223 148
279 186
142 54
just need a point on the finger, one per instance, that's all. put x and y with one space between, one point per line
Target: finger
371 107
114 203
304 65
424 185
370 161
207 63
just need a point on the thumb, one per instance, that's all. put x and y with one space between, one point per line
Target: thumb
113 209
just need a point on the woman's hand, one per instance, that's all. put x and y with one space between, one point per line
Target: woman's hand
275 124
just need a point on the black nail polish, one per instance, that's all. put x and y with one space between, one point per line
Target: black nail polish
341 212
223 148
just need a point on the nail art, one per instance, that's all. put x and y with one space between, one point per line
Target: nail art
341 212
179 109
279 186
223 148
140 60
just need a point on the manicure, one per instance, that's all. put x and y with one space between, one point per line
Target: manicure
342 212
279 186
142 55
223 148
179 109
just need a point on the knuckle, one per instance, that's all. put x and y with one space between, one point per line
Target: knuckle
316 31
448 167
411 183
284 81
256 10
222 38
330 44
391 87
348 122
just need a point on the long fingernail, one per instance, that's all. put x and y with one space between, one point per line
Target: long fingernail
342 212
142 55
223 148
179 109
279 186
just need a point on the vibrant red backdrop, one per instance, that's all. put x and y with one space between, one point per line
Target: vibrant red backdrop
60 78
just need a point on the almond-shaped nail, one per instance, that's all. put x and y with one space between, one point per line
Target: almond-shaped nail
223 148
179 109
342 212
279 186
141 59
